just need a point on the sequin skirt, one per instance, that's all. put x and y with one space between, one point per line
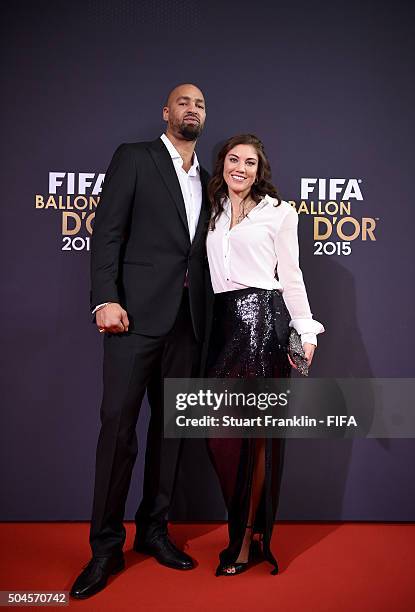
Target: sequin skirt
249 335
248 339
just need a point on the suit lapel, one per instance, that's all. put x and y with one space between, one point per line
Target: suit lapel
205 208
165 166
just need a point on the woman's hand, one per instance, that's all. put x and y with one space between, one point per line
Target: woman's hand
308 351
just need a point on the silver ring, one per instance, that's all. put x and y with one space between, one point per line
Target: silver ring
101 331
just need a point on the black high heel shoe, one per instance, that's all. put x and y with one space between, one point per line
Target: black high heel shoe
231 569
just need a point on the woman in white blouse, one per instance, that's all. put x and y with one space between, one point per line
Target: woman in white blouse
252 249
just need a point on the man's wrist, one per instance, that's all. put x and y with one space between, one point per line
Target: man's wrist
100 306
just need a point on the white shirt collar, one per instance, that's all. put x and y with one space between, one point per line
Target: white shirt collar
175 155
265 200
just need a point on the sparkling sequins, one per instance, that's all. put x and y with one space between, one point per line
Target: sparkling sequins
244 340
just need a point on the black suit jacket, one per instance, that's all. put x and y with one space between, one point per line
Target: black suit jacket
141 248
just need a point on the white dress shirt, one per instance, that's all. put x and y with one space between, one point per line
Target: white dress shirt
248 255
191 187
189 184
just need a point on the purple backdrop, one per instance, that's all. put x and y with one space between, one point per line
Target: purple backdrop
329 88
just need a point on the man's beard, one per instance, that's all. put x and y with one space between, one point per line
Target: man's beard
190 131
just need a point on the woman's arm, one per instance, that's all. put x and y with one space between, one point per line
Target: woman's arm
291 279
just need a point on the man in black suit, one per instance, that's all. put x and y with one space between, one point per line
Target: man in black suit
148 275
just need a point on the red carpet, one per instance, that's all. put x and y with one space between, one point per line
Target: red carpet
331 567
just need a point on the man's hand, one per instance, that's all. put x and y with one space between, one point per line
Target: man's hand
112 318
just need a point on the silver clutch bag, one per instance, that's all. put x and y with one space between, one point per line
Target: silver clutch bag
296 352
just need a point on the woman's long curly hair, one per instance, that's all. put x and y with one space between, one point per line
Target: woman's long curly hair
217 187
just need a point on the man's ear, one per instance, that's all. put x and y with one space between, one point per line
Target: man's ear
166 113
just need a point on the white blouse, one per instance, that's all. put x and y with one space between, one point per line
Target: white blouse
248 254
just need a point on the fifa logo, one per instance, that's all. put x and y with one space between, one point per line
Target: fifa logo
72 182
330 201
331 189
75 195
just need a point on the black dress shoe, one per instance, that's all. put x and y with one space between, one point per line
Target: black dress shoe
164 551
95 575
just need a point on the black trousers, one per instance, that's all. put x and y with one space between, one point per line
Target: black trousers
133 364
